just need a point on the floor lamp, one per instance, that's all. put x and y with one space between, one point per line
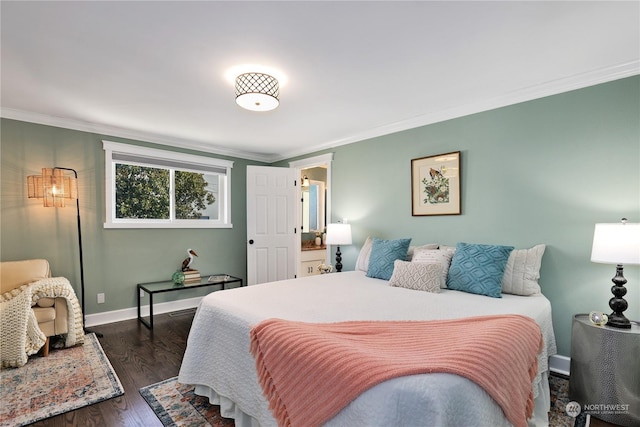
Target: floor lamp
54 188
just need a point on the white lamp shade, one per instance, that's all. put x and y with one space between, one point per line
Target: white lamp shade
339 234
616 243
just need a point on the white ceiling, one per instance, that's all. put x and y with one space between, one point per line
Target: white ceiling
156 70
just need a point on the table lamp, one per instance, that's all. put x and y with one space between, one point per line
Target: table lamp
618 244
338 234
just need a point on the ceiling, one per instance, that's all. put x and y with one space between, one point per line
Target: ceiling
158 70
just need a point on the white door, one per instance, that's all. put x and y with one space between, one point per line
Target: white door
271 224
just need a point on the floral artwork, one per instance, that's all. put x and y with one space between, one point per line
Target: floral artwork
435 185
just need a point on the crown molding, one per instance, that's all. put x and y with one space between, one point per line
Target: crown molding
553 87
115 131
530 93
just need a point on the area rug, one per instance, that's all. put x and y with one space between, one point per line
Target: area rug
67 379
559 391
176 405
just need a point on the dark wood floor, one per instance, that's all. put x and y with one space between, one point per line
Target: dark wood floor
140 357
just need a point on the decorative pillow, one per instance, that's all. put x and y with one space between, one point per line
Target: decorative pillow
522 271
362 263
383 254
478 269
412 249
416 275
435 256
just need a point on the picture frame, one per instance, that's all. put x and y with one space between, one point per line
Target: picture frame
435 185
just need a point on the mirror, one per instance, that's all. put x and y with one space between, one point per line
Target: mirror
313 211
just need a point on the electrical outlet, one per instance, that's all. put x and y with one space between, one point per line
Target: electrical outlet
142 293
100 298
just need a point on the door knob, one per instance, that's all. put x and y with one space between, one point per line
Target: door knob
251 242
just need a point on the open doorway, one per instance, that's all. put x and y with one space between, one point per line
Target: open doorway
314 212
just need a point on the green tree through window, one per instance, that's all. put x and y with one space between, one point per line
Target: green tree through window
144 193
192 196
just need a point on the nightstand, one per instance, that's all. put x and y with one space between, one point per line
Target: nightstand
605 371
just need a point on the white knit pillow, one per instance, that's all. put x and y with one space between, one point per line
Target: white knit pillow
522 271
362 263
416 276
435 256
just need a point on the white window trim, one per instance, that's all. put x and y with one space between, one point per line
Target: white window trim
224 190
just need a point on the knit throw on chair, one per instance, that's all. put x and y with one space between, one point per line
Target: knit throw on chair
21 336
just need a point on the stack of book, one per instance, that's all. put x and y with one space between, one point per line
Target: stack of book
191 277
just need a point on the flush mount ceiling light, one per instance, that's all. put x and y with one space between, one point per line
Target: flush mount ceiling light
257 91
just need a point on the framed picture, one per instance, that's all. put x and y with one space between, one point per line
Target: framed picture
435 185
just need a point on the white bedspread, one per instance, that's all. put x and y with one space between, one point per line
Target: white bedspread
218 362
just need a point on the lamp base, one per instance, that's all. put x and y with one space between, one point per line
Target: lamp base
338 260
618 304
619 321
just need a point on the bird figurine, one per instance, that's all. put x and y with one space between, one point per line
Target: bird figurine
187 261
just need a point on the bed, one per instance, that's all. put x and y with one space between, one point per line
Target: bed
218 362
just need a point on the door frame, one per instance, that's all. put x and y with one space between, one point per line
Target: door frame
298 165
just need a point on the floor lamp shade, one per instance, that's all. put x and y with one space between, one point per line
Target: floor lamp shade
53 187
618 244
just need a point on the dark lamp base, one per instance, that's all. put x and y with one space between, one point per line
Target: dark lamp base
618 321
338 260
618 304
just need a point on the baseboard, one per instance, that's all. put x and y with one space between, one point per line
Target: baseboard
132 313
560 364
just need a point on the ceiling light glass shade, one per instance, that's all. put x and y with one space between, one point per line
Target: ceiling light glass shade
257 91
52 187
617 243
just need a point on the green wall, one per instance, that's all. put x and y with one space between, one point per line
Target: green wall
543 171
114 259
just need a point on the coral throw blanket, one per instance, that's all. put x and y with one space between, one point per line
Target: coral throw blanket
310 371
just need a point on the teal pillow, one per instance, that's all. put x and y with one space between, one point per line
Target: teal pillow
383 255
478 269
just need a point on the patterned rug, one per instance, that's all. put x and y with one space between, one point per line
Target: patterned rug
176 405
67 379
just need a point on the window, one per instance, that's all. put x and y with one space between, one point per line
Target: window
150 188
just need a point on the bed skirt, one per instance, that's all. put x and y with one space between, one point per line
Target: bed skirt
229 409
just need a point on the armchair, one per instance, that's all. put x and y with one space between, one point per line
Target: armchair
52 301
